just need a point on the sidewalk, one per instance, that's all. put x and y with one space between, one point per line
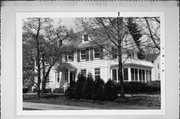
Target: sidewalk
42 106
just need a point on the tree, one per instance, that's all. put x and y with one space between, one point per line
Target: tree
45 40
122 33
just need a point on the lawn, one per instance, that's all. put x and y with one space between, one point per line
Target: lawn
130 102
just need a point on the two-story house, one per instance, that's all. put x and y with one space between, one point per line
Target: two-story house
100 59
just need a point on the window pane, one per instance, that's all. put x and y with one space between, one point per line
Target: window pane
70 56
83 54
125 73
114 78
136 74
140 77
132 74
143 75
83 72
97 72
86 37
96 52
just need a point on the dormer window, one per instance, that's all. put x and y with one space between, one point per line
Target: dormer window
85 37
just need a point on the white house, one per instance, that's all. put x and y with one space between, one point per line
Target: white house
90 57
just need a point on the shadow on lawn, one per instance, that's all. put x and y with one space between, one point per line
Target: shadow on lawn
129 102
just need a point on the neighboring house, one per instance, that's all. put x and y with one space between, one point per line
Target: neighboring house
88 56
155 59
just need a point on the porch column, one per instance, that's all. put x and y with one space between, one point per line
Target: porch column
145 76
129 74
138 75
68 76
117 73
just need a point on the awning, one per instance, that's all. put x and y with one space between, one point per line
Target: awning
65 66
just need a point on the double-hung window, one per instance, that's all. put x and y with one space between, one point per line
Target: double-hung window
70 56
83 54
97 72
85 37
97 52
83 72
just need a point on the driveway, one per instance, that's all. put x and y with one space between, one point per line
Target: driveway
42 106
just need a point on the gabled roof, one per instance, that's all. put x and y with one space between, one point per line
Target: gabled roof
151 57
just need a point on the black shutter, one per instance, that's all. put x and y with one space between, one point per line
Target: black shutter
101 52
78 55
72 56
87 54
66 57
91 53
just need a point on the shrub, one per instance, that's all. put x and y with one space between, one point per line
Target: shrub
110 92
88 87
48 90
140 87
25 90
97 92
69 93
58 90
77 91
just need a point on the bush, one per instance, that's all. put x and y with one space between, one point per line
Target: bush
77 90
88 87
48 90
25 90
140 87
97 92
69 93
58 90
110 92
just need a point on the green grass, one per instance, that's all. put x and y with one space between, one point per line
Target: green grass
130 102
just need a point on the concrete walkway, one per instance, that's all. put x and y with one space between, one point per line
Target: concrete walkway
42 106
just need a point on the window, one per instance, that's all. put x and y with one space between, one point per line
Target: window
114 76
96 52
143 75
83 54
57 77
97 72
140 74
125 73
85 37
136 74
132 74
70 56
83 72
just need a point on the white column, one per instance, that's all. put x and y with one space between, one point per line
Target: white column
145 76
68 76
117 73
138 75
129 74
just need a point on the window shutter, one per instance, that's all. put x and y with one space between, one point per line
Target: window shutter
101 52
87 54
66 57
78 55
91 53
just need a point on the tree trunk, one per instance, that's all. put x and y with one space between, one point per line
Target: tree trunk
38 59
120 72
44 73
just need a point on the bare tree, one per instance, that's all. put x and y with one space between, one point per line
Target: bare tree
46 40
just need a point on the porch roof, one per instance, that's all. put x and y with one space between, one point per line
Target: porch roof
132 65
65 66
